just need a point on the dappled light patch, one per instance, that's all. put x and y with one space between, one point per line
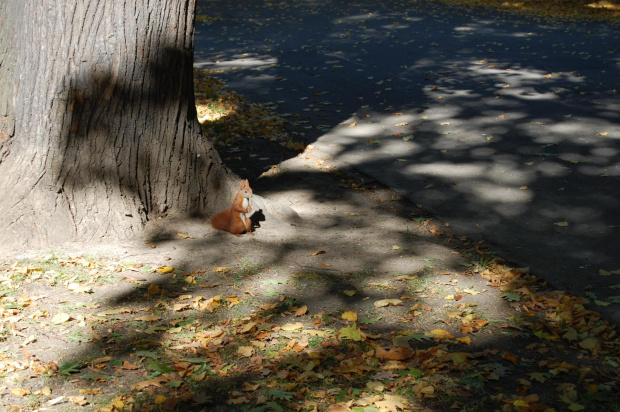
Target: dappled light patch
227 117
249 335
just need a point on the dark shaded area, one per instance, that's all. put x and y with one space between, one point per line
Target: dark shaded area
511 125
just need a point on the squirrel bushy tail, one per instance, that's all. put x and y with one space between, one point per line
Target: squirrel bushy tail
235 219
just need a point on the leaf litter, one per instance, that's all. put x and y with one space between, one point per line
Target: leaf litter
111 335
250 337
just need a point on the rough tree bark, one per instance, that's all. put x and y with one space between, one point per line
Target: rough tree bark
98 131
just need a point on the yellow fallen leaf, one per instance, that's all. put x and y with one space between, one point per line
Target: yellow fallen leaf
465 339
561 224
232 300
292 326
395 247
184 236
20 392
375 386
221 269
349 292
602 134
61 318
350 315
458 357
153 289
165 269
589 343
520 404
387 302
440 334
177 307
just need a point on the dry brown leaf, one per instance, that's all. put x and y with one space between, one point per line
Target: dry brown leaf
318 252
78 400
245 351
398 353
301 311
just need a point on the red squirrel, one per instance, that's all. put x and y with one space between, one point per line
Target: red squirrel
235 220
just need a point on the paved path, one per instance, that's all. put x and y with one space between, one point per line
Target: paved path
506 128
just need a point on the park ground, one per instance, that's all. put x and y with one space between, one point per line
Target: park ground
362 302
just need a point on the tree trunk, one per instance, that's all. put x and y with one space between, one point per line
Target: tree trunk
98 129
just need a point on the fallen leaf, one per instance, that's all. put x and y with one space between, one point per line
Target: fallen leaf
350 332
78 400
466 340
392 403
604 272
61 318
165 269
440 334
458 357
589 343
561 224
318 252
248 387
20 392
157 381
301 311
350 315
148 318
387 302
375 386
349 292
397 353
289 327
245 351
77 288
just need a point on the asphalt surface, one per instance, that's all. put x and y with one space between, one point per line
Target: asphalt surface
506 128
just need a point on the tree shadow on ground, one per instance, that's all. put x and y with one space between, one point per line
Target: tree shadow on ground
508 126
